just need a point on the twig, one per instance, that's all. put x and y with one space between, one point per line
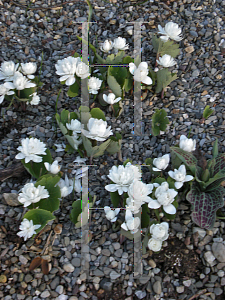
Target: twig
47 243
166 6
198 294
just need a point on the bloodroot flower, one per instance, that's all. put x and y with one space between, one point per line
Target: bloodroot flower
171 30
31 149
97 130
180 176
27 229
31 194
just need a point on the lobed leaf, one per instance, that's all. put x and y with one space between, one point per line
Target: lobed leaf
205 205
97 113
164 78
73 90
114 85
169 48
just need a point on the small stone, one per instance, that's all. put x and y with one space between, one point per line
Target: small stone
195 73
157 288
140 294
152 263
129 291
11 199
45 294
144 279
68 268
26 50
209 257
23 260
59 289
218 291
106 285
180 289
28 278
201 232
114 275
76 262
218 250
3 279
187 282
189 49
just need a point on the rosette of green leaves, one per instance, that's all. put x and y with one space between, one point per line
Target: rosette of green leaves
206 193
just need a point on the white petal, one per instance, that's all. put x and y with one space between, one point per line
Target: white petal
178 185
189 178
9 85
171 174
156 170
1 99
114 219
70 80
154 204
111 187
169 209
124 226
147 80
132 68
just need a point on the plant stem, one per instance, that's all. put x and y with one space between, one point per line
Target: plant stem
162 94
90 10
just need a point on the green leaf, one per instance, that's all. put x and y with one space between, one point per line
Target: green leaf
52 202
187 158
120 73
87 145
164 78
76 55
38 169
64 117
216 164
114 86
128 84
26 93
153 75
145 218
100 60
119 57
71 141
118 108
110 58
114 146
205 205
215 149
73 90
170 48
72 116
75 215
159 121
97 113
207 112
157 43
115 198
39 217
127 60
99 150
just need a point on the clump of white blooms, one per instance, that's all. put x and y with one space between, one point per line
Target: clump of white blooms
27 229
111 214
165 197
111 98
31 194
75 126
138 194
31 149
94 85
131 223
141 73
68 67
97 130
180 176
53 168
166 61
186 144
171 31
17 78
66 186
159 234
161 163
122 177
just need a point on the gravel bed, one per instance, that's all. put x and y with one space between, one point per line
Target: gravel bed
193 259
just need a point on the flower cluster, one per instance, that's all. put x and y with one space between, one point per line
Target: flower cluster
159 234
70 67
118 44
17 78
